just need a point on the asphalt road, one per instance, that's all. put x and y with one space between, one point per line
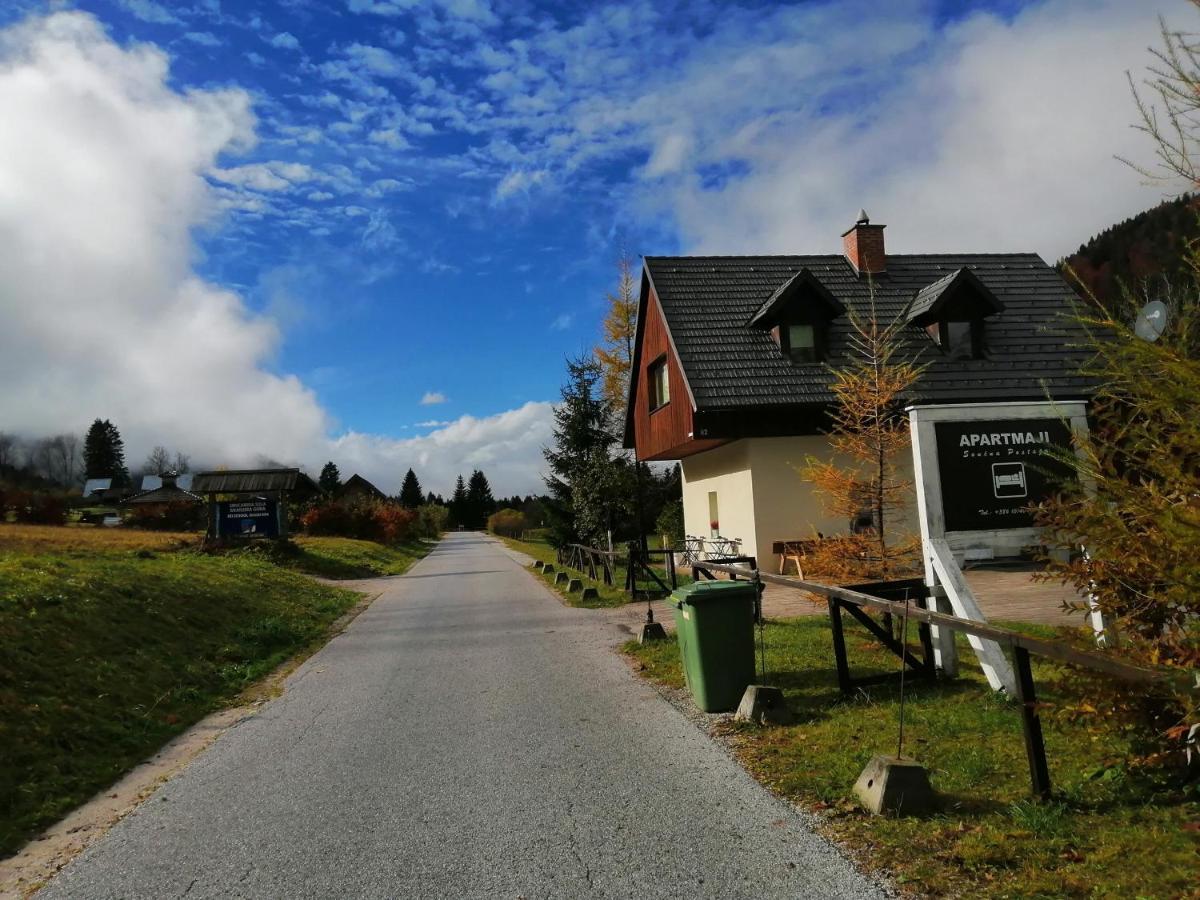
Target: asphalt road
467 736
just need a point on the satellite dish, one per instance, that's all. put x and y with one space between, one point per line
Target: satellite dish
1151 321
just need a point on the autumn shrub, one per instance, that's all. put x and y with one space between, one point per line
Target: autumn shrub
167 517
368 520
507 522
40 509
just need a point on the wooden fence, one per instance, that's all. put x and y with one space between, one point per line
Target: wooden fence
856 600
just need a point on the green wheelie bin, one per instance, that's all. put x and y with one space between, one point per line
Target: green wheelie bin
714 623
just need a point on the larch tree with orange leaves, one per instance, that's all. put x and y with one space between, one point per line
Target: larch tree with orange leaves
860 481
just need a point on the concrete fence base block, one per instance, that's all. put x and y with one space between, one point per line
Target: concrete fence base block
561 578
896 786
574 585
548 569
763 705
538 565
651 631
589 593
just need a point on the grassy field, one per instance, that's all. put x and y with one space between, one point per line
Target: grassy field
113 641
609 595
1111 830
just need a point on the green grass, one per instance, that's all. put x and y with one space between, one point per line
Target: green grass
1111 831
333 557
112 642
609 595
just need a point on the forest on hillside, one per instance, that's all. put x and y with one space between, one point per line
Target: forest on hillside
1143 253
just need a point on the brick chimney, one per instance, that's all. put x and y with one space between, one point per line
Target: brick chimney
863 246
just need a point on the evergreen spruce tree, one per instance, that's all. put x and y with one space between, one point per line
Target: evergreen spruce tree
458 504
480 502
584 480
410 491
330 479
104 453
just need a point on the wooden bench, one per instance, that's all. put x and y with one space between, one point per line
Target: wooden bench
794 552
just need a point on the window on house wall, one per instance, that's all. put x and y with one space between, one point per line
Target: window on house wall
660 385
714 519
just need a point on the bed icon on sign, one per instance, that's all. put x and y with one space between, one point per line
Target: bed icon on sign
1008 480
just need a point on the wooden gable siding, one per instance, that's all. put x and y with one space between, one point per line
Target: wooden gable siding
666 432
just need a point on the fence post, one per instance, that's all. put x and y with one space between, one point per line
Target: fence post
839 645
674 574
1031 725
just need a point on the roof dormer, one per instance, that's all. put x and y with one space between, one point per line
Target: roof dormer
952 311
798 316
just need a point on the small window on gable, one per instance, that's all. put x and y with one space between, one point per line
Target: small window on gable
660 385
802 343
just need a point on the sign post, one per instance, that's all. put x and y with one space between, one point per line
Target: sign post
979 468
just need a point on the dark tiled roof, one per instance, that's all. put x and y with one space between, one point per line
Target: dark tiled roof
929 298
1032 344
251 481
165 495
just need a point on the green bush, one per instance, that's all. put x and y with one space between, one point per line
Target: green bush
432 520
670 522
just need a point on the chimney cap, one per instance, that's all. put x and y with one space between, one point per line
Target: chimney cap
863 218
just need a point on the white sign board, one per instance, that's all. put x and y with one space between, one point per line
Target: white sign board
979 467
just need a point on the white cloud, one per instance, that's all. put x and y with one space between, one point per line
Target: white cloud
204 38
390 138
519 181
507 447
432 397
1002 138
103 169
285 40
149 11
271 176
562 322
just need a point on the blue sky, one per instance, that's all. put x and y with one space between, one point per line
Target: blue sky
423 199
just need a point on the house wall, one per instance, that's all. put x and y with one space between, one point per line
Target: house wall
763 498
725 470
665 433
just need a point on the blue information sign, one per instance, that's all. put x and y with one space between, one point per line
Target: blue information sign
257 517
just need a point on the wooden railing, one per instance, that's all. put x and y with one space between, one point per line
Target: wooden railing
857 600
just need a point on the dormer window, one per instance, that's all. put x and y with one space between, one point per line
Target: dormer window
952 312
958 338
802 344
798 315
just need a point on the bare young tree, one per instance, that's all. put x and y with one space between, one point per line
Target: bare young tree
158 462
182 464
8 450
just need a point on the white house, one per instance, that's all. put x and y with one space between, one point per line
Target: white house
733 357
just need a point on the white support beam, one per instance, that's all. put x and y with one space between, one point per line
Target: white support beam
991 657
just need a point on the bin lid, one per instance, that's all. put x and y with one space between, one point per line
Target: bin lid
701 591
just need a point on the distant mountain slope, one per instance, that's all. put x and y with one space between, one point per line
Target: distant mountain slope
1138 250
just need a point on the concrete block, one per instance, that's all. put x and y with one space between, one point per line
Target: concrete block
548 569
651 631
763 705
589 593
537 565
574 585
895 785
561 578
